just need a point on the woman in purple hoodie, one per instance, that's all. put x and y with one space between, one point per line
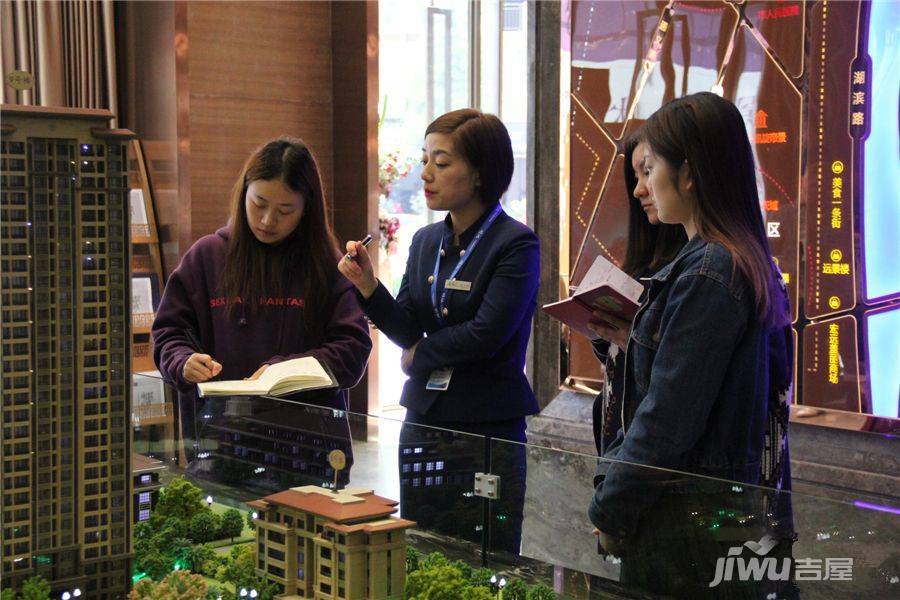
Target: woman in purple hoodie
264 288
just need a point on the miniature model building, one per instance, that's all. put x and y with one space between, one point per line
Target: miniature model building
269 449
65 393
317 543
146 485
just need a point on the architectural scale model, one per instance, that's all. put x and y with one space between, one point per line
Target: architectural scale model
313 542
66 459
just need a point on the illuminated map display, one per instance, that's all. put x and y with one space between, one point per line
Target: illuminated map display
817 85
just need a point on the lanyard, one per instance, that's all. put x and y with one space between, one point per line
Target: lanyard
439 308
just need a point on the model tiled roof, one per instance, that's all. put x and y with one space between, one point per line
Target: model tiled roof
349 504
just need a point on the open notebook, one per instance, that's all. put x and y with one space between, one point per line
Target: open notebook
280 379
606 287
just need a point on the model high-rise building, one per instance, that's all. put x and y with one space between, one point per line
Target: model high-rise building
66 457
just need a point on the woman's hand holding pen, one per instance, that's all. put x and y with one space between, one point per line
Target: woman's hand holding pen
200 368
611 328
356 266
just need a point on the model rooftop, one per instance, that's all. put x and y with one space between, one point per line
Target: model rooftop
342 506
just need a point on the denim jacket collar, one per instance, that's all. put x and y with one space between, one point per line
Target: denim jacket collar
695 244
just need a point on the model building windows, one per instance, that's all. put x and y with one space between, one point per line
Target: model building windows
276 537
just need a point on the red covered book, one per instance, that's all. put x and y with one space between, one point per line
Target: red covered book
605 287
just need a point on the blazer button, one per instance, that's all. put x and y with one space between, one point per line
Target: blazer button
443 252
462 253
431 279
445 312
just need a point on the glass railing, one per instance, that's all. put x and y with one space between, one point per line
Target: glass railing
700 537
520 529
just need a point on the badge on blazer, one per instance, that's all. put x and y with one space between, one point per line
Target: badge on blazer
458 284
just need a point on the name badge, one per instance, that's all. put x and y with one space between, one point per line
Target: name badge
439 379
458 284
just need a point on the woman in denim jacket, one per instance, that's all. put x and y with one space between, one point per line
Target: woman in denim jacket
706 364
650 245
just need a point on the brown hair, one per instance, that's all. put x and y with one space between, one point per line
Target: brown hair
253 268
483 141
708 133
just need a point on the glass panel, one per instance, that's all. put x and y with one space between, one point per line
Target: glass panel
423 73
691 536
265 455
688 531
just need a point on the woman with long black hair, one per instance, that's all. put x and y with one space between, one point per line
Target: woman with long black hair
707 368
650 246
261 290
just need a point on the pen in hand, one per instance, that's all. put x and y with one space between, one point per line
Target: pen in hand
365 242
200 366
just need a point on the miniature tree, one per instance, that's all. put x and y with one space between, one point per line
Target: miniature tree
180 499
158 553
180 585
35 588
433 560
413 558
250 522
478 577
516 590
443 582
232 524
155 564
240 570
540 592
204 527
8 594
215 593
199 556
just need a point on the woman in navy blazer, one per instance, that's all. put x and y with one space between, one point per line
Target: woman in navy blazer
463 313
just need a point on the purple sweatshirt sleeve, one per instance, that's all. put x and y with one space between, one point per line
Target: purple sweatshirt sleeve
347 344
176 314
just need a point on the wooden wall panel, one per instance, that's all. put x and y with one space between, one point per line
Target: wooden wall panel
261 49
256 71
224 130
